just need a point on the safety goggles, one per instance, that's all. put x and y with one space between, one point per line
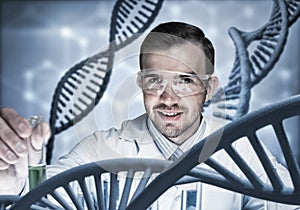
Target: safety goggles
183 84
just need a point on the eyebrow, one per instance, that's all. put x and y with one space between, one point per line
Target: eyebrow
151 74
192 72
172 72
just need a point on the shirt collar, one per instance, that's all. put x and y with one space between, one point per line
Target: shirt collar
166 147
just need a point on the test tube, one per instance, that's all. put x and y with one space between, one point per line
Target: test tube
37 171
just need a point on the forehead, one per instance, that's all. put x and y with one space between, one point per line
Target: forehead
182 58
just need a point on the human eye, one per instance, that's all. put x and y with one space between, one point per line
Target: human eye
152 79
187 80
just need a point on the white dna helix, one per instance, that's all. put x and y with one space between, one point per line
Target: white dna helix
251 66
83 85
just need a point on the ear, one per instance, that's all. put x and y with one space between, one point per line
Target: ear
211 87
138 81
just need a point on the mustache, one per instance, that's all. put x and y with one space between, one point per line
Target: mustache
166 107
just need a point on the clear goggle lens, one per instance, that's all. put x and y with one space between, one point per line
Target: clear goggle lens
182 84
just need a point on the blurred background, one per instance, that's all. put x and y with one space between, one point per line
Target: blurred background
40 40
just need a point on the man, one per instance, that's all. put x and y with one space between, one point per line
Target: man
176 77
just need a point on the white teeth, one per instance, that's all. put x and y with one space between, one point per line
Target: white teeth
170 114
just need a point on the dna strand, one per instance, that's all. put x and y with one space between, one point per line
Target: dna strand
6 201
251 66
280 185
103 185
83 85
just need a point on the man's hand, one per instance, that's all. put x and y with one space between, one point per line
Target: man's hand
19 145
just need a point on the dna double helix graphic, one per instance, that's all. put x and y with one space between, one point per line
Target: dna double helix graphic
83 85
251 67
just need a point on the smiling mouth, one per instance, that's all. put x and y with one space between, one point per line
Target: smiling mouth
170 115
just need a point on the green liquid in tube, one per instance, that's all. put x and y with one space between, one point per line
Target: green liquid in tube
37 174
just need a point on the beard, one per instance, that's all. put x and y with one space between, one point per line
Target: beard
172 130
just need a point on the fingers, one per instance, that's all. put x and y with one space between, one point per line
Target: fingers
13 128
10 141
18 138
3 165
8 156
11 150
40 134
10 118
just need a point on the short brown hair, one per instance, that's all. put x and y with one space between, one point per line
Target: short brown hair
180 33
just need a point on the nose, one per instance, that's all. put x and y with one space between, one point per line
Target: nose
168 95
